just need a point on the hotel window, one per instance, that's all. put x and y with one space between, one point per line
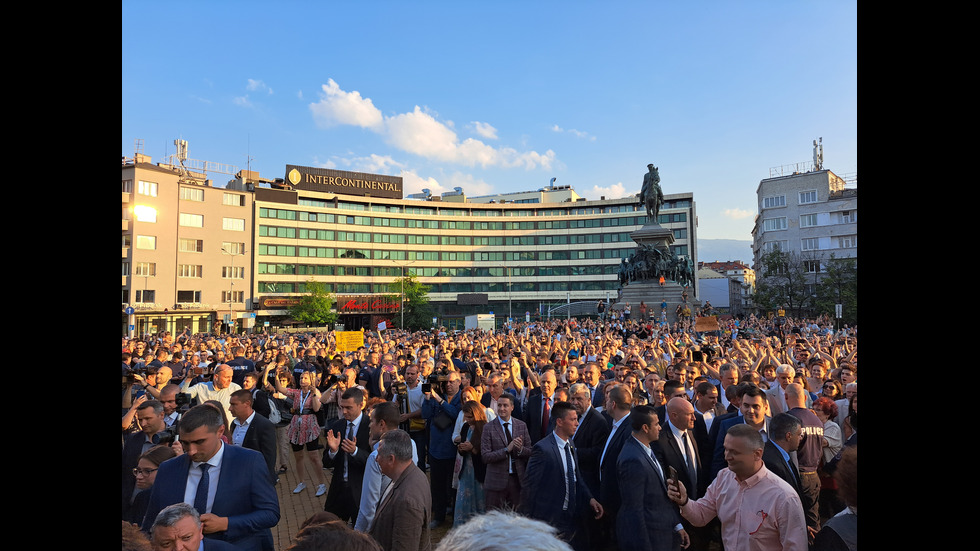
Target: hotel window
145 269
773 224
848 217
148 242
191 220
811 266
233 224
775 201
125 269
145 295
127 240
810 244
189 270
233 199
127 186
188 296
191 194
190 245
849 242
147 188
808 196
808 220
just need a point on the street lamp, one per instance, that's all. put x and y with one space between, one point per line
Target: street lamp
231 292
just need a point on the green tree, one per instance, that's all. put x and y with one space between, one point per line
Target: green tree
315 307
418 311
838 285
783 283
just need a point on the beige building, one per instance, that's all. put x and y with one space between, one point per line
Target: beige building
185 249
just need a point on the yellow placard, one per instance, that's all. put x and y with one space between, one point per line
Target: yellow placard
349 341
707 323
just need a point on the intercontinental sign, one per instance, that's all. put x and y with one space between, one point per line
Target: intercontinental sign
341 181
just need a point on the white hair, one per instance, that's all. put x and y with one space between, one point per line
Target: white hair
502 531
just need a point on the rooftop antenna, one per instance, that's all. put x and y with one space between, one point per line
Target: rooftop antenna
818 155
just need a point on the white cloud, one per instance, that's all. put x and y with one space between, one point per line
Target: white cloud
413 183
338 107
738 214
614 191
242 101
420 132
257 86
572 131
485 130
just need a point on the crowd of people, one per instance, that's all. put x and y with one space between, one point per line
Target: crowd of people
615 433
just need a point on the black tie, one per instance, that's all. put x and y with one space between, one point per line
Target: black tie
691 471
201 499
350 436
570 476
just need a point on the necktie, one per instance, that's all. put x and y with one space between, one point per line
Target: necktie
350 436
656 465
692 472
569 476
510 465
545 417
201 498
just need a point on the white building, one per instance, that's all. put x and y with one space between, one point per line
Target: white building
810 213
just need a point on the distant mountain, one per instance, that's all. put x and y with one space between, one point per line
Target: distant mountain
720 250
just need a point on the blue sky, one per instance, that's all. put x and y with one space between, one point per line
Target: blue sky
501 96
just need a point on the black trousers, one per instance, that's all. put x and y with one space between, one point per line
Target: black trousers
440 482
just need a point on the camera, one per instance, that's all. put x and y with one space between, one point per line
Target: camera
167 436
438 379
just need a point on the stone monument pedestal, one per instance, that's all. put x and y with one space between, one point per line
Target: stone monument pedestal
649 291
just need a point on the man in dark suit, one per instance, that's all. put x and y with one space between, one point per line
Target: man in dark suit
402 519
591 435
537 413
647 518
150 417
785 436
505 448
251 430
228 485
680 450
347 452
178 526
554 490
589 439
618 406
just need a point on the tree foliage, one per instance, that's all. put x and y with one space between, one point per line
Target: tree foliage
838 285
315 307
783 283
418 311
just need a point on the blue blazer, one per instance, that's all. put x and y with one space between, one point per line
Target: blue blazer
245 495
647 516
543 493
608 483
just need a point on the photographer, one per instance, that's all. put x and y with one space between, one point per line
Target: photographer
441 415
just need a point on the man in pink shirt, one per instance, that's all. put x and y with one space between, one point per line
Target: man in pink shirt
758 510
